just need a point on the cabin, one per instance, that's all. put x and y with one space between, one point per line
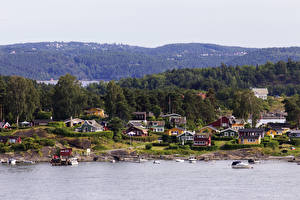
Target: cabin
140 116
209 129
4 125
90 126
174 131
156 126
73 122
136 131
202 139
186 136
66 152
261 93
223 122
275 131
229 132
95 112
250 136
10 139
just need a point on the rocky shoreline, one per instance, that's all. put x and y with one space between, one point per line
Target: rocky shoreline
125 155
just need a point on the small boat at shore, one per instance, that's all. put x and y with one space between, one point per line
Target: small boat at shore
179 160
156 162
240 165
12 161
28 162
192 160
73 161
252 161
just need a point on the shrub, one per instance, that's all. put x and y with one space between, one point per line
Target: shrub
204 148
163 144
57 124
229 146
272 144
99 147
68 133
148 146
173 146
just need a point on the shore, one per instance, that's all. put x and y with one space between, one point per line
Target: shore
126 155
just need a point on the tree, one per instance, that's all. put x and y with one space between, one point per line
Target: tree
22 97
68 98
116 125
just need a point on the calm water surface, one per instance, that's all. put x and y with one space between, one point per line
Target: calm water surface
269 180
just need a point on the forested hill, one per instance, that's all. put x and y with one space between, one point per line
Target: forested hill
92 61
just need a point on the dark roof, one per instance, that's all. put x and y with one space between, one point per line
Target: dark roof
246 130
279 125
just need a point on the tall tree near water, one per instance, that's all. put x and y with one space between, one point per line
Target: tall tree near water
68 98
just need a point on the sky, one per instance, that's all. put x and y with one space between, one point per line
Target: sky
151 23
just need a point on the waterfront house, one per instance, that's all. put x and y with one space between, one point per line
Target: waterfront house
261 93
202 139
90 126
250 136
4 125
229 132
156 126
10 139
175 131
136 131
95 112
186 136
275 131
208 129
238 124
222 122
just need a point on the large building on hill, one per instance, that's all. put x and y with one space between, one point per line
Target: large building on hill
261 93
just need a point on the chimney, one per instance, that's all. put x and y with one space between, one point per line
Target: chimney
71 122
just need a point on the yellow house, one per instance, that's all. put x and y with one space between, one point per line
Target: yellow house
275 131
174 131
250 136
96 112
208 129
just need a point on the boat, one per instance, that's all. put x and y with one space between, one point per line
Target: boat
252 161
12 161
28 162
156 162
140 160
73 161
240 165
179 160
2 161
113 161
192 160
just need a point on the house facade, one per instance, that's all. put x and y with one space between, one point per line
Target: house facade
228 133
174 131
261 93
4 125
136 131
90 126
250 136
223 122
186 136
274 132
202 139
156 126
73 122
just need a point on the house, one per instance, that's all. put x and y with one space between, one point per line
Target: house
208 129
175 119
222 122
41 122
136 123
186 136
140 116
73 122
284 126
136 131
10 139
156 126
238 124
294 134
250 136
95 112
90 126
261 93
65 152
202 139
229 132
275 131
174 131
4 125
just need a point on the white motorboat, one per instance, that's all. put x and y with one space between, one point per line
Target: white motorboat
73 161
141 160
156 162
252 161
113 161
12 161
240 165
179 160
28 162
192 160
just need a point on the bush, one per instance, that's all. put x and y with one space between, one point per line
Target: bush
272 144
163 144
148 146
219 138
99 147
295 142
204 148
68 133
140 138
57 124
173 146
229 146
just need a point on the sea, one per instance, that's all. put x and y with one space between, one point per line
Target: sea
212 180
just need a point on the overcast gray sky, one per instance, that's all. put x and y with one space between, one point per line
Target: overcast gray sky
249 23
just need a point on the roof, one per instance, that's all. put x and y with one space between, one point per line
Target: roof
139 113
204 134
144 130
186 132
211 127
228 129
137 123
171 115
159 123
177 128
75 120
294 131
260 91
93 123
246 130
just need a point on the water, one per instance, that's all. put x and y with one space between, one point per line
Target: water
213 180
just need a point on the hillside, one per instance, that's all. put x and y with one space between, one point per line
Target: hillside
92 61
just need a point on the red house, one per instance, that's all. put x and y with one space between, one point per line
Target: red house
136 131
202 139
223 122
66 152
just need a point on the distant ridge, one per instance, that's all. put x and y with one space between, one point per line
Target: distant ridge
93 61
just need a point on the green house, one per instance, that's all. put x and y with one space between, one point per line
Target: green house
90 126
229 133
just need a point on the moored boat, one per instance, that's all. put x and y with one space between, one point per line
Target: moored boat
73 161
156 162
12 161
240 165
179 160
252 161
192 160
